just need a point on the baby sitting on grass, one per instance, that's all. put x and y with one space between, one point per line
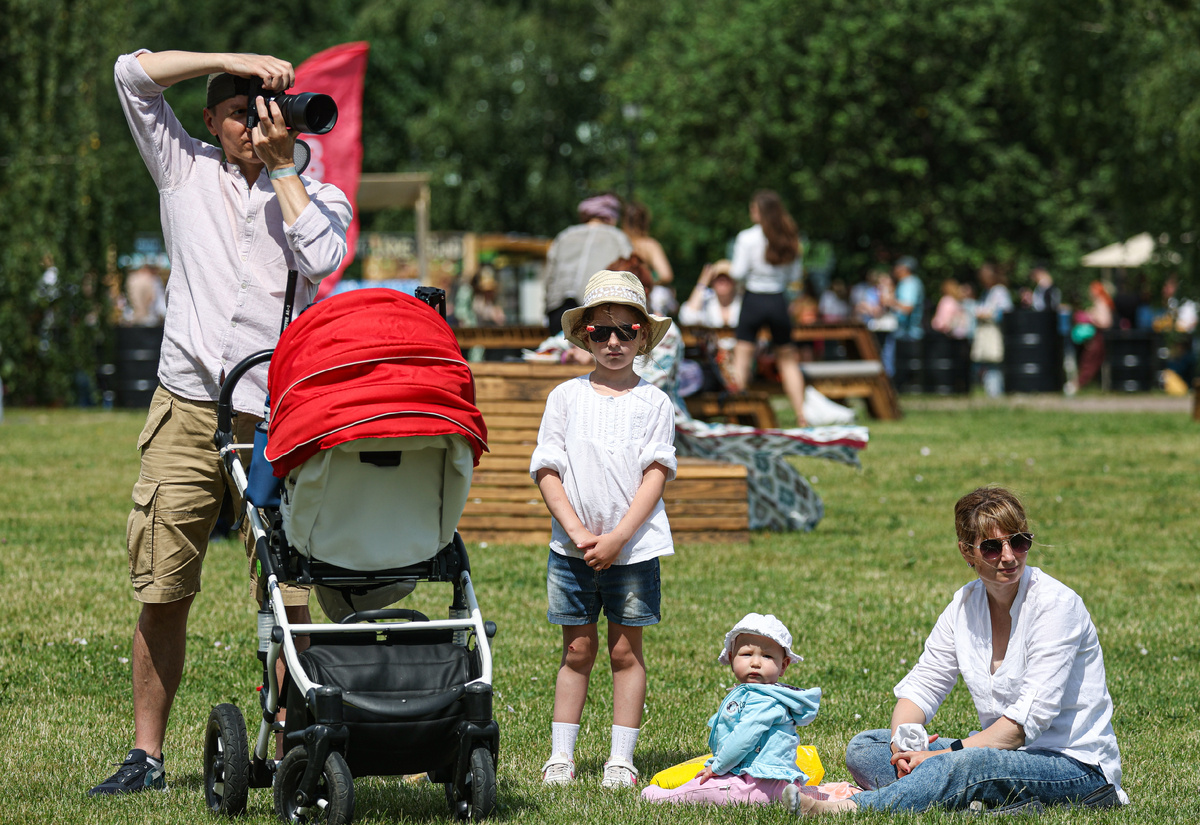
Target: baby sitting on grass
753 737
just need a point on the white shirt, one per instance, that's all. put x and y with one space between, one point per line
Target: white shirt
749 264
229 248
578 253
600 446
1051 681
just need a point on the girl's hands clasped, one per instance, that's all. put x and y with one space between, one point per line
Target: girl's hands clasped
602 554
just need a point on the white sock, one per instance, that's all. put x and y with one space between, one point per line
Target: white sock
562 738
624 740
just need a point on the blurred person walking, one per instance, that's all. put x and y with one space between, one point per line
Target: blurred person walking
767 259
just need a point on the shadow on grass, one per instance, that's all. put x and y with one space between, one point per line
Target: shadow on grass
386 798
390 799
649 762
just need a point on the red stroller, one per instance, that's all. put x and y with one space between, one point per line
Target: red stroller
356 487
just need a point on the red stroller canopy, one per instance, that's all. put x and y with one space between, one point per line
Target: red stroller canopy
370 363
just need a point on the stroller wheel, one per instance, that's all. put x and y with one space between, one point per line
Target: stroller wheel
474 795
226 761
334 804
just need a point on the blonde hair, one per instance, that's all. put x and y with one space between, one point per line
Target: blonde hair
988 509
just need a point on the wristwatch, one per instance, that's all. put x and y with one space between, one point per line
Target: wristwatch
956 745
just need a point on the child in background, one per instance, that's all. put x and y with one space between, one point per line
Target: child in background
605 451
753 737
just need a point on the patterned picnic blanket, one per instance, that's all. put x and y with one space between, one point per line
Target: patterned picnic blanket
780 497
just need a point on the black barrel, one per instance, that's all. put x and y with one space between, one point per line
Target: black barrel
910 367
1032 351
947 364
137 365
1132 359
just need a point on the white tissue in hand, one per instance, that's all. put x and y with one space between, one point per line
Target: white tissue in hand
911 737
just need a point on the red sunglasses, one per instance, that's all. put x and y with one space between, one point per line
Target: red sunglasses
624 332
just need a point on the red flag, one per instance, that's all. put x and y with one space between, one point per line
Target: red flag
337 155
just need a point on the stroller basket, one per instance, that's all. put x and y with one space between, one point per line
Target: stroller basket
401 702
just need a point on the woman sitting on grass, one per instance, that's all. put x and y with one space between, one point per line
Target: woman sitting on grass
1027 649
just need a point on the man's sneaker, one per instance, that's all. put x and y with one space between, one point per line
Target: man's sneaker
619 774
136 773
558 770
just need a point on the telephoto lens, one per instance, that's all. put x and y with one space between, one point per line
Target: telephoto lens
308 112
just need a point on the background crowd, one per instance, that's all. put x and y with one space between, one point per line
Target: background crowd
896 299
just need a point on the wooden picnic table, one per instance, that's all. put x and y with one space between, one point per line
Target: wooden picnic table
854 333
862 377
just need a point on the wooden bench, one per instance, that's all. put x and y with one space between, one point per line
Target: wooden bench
752 408
841 380
706 502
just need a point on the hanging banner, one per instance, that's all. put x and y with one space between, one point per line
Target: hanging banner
337 155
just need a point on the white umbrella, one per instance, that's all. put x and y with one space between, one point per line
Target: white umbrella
1134 252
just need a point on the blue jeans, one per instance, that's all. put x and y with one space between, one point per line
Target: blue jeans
992 776
630 594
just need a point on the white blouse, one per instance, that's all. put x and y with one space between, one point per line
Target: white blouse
1051 681
600 446
749 264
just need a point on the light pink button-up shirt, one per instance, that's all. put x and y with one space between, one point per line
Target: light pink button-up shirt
230 250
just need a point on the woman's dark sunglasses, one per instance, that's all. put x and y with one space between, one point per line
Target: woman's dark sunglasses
1019 542
625 332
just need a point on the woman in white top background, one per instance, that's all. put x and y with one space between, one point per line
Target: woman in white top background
766 259
1028 651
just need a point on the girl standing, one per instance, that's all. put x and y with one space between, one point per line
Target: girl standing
766 258
605 451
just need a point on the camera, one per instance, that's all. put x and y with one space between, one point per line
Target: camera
306 112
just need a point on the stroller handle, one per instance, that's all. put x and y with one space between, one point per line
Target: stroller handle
225 403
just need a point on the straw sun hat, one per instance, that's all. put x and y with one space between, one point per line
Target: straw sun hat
609 287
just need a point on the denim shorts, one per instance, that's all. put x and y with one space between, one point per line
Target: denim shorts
629 593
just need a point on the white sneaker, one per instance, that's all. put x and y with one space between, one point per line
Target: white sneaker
558 770
619 774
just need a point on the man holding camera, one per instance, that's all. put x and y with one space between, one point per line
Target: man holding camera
236 219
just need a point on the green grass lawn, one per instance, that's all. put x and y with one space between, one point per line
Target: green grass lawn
1112 498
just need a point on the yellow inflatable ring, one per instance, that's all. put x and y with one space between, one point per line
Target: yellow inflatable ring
807 760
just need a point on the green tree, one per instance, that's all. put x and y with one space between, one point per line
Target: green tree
57 174
503 103
957 132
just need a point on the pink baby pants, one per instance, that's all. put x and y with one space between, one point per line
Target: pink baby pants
729 789
732 789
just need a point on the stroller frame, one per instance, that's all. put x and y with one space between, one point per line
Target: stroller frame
314 772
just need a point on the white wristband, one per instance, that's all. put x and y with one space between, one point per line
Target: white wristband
283 172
